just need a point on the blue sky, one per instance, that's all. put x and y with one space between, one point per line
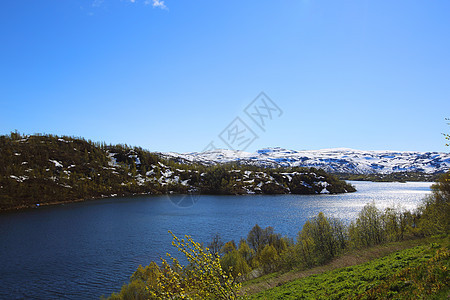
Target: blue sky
171 75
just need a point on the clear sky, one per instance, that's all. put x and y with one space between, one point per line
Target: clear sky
172 75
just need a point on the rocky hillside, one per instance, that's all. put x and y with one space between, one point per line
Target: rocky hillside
46 169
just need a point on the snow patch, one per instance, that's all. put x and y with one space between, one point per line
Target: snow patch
19 178
112 160
57 163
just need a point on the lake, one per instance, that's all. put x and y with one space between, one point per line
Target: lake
84 250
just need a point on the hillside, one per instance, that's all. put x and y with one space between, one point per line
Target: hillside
420 272
337 161
46 169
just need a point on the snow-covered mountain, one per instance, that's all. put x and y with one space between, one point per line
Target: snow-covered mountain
339 160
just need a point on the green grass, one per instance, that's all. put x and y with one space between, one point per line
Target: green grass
351 282
429 280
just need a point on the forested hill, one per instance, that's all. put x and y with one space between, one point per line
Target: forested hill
45 169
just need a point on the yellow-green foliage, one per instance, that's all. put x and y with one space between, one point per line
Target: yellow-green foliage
138 288
435 211
245 250
305 245
368 229
234 263
228 247
202 278
268 258
320 240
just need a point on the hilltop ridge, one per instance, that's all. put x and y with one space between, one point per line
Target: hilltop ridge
337 160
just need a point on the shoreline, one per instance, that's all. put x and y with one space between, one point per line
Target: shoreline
53 203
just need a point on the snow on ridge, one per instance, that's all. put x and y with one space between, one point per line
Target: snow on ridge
337 160
211 156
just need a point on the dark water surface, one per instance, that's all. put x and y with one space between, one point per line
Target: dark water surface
84 250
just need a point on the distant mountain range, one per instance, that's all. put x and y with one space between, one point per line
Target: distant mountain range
339 160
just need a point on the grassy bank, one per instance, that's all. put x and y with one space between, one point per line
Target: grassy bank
395 269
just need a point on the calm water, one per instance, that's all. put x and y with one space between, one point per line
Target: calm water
84 250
